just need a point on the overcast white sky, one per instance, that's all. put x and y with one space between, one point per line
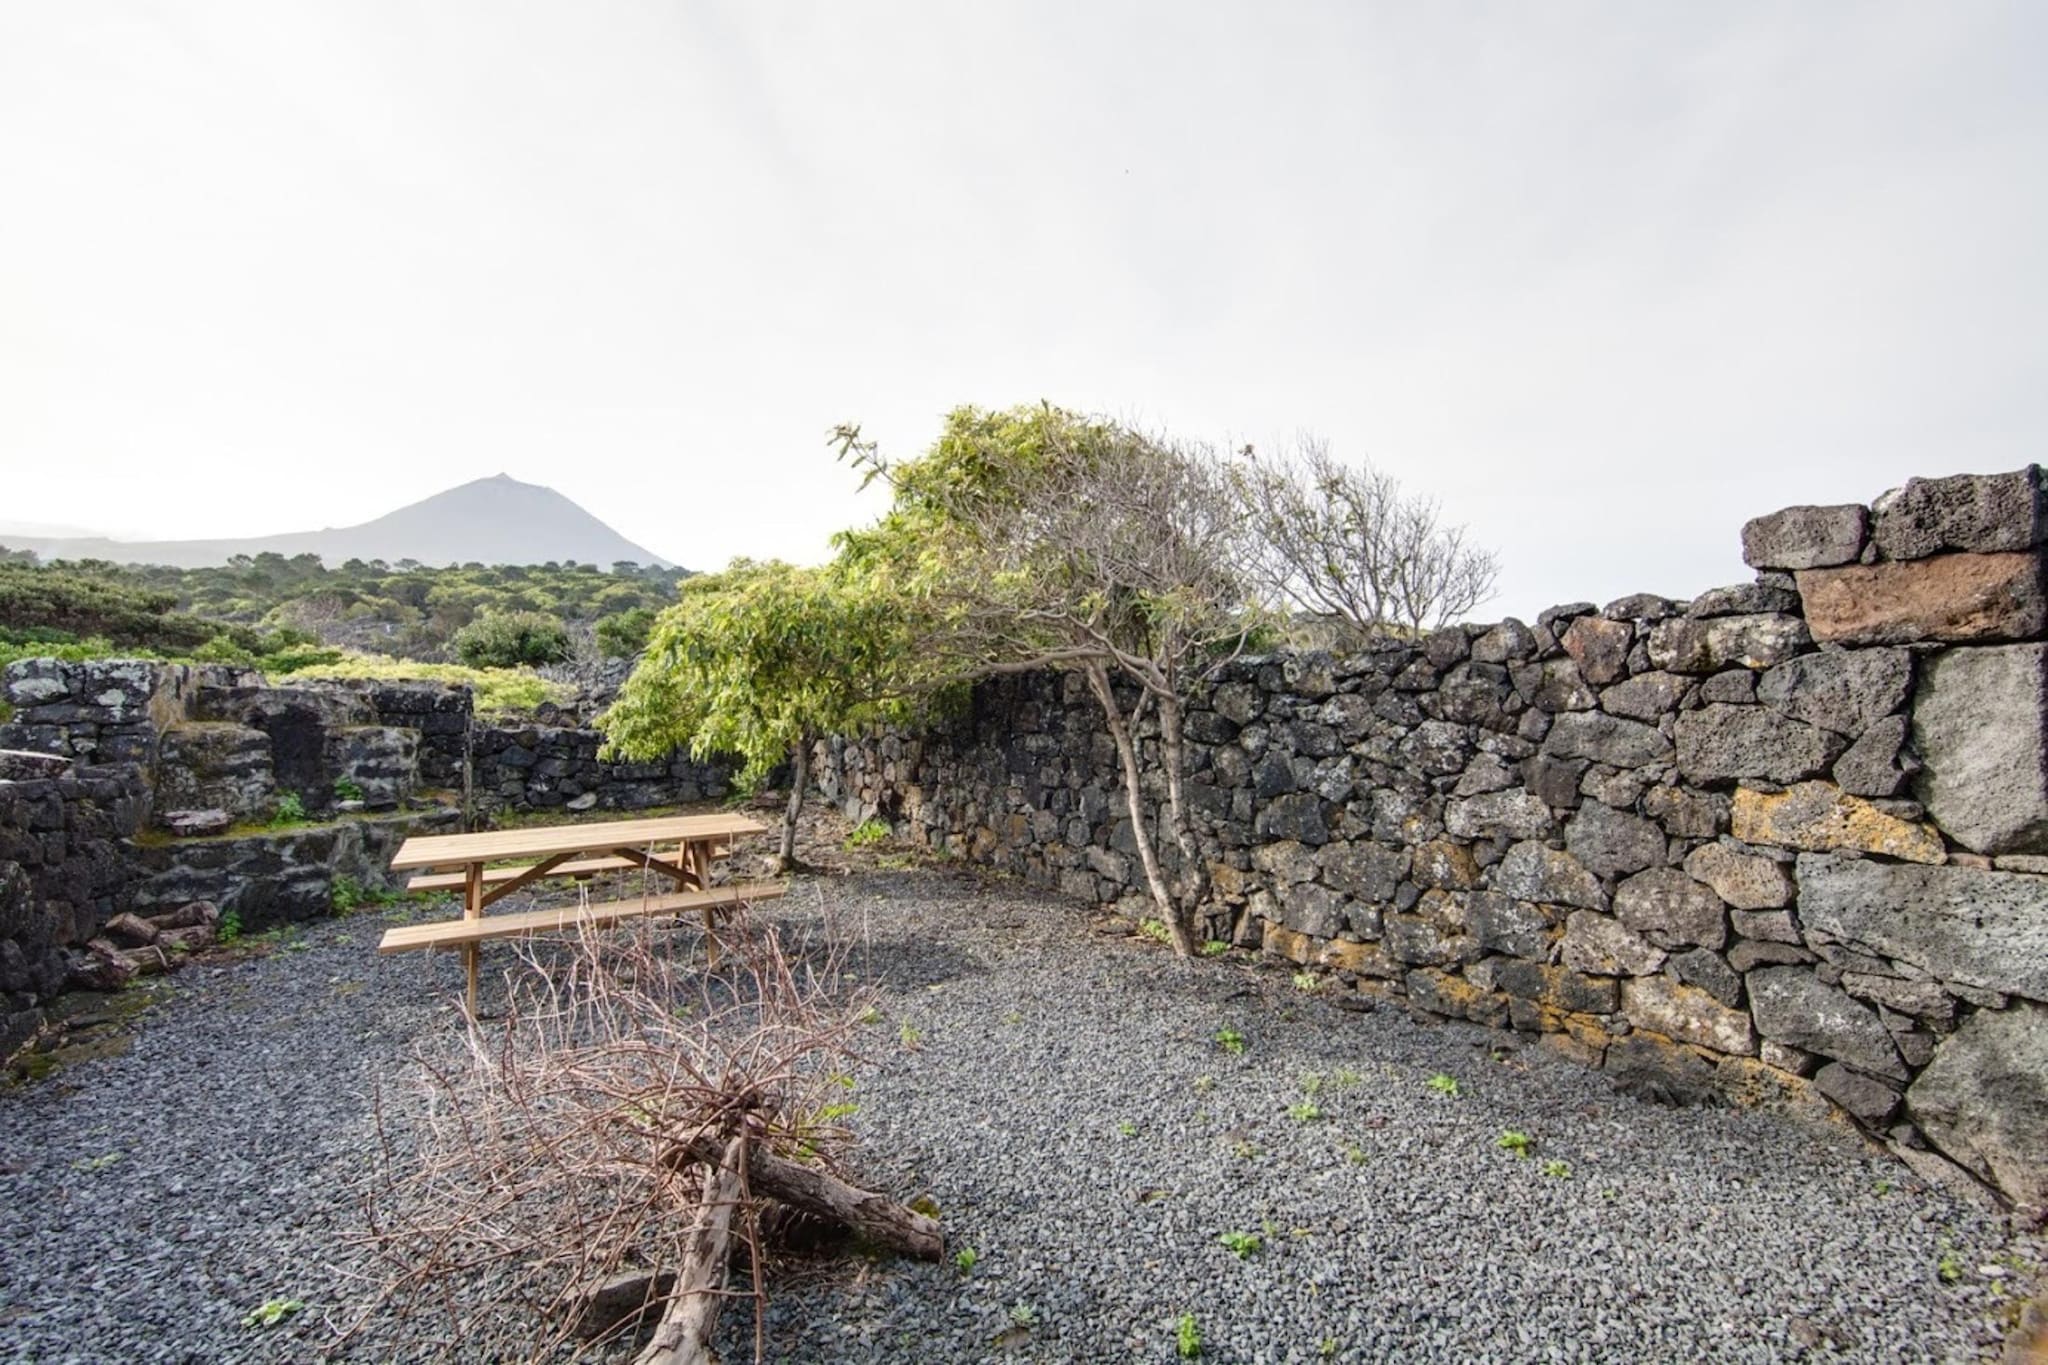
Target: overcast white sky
1608 278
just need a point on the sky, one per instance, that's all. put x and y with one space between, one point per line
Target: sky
1607 279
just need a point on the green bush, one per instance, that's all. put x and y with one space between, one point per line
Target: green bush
499 691
512 639
625 634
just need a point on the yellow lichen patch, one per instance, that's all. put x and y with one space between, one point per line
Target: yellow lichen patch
1227 881
1819 817
1748 1081
1284 942
1580 1050
1365 958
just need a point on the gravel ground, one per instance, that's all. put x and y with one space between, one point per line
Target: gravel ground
1064 1099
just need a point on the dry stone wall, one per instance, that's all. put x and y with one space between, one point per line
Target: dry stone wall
1790 836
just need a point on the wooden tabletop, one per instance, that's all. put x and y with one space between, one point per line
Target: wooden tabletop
541 841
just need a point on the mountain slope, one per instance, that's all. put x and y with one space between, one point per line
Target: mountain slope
492 521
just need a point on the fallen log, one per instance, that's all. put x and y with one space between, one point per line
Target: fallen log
684 1334
876 1218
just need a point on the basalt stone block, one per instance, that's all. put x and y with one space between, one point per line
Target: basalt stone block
1515 813
1687 814
1868 1100
1745 881
1554 780
1877 764
1806 537
1606 739
1613 842
1370 872
1980 726
1296 816
1983 1100
1600 945
1821 817
216 767
1599 647
1441 865
1710 972
1719 742
1510 640
1557 987
1844 690
1502 924
1792 1005
1956 599
1744 599
1706 646
1641 606
1671 909
1686 1014
1532 872
1987 930
1645 697
1978 513
1552 685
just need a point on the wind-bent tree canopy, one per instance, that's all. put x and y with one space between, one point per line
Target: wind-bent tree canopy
1345 541
1037 537
762 661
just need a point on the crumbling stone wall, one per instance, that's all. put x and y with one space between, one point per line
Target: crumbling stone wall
63 872
1788 836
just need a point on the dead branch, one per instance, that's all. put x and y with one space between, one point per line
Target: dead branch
537 1178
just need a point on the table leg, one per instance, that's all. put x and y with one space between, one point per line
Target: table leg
697 855
472 908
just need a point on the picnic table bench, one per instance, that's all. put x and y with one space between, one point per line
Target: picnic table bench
679 848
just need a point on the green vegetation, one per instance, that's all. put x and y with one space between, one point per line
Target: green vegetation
1307 982
964 1259
271 1312
347 789
499 691
1230 1040
624 635
290 811
1444 1084
1187 1337
513 639
1215 947
1155 929
762 661
351 895
911 1038
1521 1144
96 1163
230 927
1558 1170
868 833
1243 1245
1023 1314
273 613
1307 1111
1126 1128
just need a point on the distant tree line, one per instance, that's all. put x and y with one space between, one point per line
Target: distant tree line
257 605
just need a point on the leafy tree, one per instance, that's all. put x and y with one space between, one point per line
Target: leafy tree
763 661
1037 537
512 640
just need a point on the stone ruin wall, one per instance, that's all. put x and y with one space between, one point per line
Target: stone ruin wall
1789 837
103 762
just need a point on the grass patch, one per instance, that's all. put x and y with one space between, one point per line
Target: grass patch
499 691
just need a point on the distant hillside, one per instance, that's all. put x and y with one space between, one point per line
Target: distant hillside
490 521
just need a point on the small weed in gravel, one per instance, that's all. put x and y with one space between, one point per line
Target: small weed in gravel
1243 1245
1444 1084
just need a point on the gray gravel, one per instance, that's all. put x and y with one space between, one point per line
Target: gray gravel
1064 1100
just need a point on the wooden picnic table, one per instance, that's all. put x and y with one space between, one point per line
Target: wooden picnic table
679 848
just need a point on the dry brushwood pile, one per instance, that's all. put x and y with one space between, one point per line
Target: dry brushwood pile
608 1157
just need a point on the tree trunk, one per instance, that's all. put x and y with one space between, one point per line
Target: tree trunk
1127 756
1173 755
800 778
684 1336
879 1220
